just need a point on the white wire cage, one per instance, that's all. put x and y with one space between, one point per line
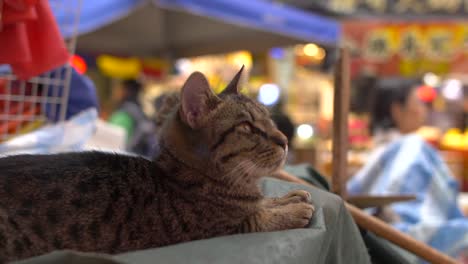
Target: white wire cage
26 105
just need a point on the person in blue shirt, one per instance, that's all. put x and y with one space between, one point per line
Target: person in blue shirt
402 163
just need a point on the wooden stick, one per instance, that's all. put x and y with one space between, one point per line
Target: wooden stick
368 201
340 150
383 229
386 231
340 123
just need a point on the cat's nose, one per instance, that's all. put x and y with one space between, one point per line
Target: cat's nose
279 139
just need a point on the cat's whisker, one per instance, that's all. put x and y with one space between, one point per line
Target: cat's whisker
234 173
248 170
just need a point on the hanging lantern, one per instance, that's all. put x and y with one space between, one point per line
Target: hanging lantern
79 64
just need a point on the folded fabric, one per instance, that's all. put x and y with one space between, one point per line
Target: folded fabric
107 137
63 136
31 41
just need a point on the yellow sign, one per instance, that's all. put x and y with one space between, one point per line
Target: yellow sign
380 44
439 43
434 42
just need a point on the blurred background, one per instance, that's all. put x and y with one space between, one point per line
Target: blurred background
289 49
87 74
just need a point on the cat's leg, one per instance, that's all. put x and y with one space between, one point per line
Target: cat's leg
295 196
280 217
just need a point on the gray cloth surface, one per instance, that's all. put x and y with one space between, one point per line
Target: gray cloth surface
308 173
331 237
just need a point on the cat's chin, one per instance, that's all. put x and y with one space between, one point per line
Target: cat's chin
281 163
276 166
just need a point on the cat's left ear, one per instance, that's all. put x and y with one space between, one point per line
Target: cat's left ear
233 86
197 100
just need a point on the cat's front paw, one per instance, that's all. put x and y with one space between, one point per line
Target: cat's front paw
299 214
296 214
296 196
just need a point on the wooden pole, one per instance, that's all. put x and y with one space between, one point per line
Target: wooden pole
386 231
341 100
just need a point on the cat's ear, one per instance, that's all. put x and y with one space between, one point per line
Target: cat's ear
197 100
233 86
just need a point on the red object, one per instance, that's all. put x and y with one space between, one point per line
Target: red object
30 38
78 64
426 93
18 11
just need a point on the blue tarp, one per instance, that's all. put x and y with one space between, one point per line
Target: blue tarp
256 14
276 18
95 14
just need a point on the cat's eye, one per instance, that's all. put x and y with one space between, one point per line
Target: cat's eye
245 127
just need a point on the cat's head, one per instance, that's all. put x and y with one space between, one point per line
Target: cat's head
231 131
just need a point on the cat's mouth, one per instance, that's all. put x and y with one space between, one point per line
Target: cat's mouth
275 166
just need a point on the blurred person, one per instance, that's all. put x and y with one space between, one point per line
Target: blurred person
402 163
129 115
286 126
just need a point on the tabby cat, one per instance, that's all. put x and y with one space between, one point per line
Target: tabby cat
203 183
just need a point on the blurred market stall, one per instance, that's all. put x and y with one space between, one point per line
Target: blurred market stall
284 49
187 28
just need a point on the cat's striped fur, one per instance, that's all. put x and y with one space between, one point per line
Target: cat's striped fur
213 149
